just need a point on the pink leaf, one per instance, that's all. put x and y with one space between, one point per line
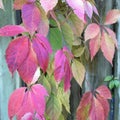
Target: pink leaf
17 52
48 4
91 31
17 96
104 104
68 76
62 68
26 103
96 111
31 17
12 30
28 67
104 92
42 49
88 9
112 16
94 46
78 8
112 35
107 47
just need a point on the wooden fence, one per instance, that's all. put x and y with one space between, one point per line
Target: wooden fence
96 70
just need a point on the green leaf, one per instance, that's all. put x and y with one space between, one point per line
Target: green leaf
55 36
111 84
108 78
78 50
46 84
54 107
78 71
61 117
76 24
67 33
116 83
64 98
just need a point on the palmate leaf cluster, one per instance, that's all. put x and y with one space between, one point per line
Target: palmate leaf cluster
53 45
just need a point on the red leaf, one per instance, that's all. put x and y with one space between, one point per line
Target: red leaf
42 49
94 46
17 52
107 46
104 92
112 16
84 106
48 4
104 104
91 31
62 69
12 30
31 17
96 111
28 67
17 96
32 101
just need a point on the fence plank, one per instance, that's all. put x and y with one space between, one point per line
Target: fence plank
7 83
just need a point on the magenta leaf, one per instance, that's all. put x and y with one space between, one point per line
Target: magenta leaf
12 30
42 49
62 68
17 96
28 67
31 17
17 52
27 103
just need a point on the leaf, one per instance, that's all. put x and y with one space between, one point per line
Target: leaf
96 111
78 71
48 5
27 101
105 105
111 84
55 37
43 27
54 107
94 46
12 30
104 92
84 106
31 17
78 50
107 47
91 31
62 69
67 33
28 68
76 24
78 7
17 52
42 49
1 4
117 83
112 35
64 98
108 78
112 16
17 96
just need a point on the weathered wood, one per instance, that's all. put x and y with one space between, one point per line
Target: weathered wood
117 69
7 83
